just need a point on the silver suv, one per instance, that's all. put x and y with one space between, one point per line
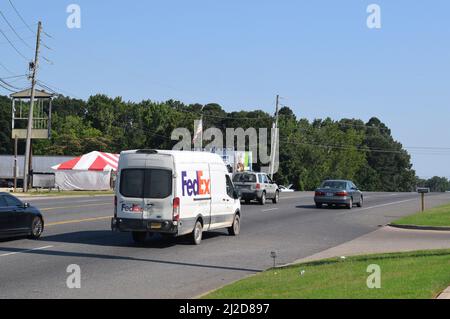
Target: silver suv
256 186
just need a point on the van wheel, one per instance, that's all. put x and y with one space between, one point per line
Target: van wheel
197 233
139 237
262 200
276 199
235 229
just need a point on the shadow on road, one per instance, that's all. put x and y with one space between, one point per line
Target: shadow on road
323 208
110 239
107 238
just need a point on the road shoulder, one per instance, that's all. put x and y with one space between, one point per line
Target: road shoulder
386 240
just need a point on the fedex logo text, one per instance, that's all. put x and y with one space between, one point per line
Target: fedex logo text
197 186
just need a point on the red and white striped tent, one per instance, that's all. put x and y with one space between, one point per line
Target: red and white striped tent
88 172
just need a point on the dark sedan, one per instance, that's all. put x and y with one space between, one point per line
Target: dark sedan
19 219
338 192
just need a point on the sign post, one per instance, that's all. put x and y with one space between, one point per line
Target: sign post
422 192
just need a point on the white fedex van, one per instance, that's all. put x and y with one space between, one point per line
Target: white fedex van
174 193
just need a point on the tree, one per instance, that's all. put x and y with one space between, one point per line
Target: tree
438 184
309 151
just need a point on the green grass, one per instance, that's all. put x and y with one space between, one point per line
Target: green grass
439 216
64 193
418 275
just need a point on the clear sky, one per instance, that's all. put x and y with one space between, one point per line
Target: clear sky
319 55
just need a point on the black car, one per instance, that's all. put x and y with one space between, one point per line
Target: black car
19 219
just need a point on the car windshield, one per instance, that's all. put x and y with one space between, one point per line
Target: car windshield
244 178
334 185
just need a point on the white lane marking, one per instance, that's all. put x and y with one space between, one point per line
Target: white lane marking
379 206
389 204
26 251
269 210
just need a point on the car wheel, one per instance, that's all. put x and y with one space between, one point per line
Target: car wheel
276 199
197 233
235 229
318 205
139 237
361 202
262 200
350 205
37 228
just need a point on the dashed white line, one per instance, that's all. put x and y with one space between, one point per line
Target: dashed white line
269 210
26 251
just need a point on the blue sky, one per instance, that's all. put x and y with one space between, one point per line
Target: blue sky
319 55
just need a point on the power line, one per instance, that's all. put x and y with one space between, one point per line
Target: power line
55 89
14 77
5 68
30 29
10 85
6 88
15 32
13 46
21 18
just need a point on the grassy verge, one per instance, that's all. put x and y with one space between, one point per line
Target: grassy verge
418 275
63 193
439 216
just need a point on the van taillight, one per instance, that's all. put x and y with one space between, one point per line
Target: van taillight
258 186
176 209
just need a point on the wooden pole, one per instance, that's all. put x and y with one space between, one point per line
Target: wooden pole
15 163
30 115
423 202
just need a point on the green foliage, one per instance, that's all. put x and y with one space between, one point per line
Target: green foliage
309 151
435 184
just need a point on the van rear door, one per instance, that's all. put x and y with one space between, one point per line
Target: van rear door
131 188
145 193
158 191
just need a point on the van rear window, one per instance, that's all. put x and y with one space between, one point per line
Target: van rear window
146 183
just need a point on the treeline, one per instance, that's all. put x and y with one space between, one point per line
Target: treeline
309 151
435 184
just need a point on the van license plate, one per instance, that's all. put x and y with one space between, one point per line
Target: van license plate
156 226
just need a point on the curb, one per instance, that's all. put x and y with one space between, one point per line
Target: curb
415 227
445 295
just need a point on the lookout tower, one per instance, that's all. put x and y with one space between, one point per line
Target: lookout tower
42 114
42 121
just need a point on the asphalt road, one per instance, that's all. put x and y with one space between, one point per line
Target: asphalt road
112 266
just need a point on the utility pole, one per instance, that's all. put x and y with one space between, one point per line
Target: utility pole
275 139
33 66
15 163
